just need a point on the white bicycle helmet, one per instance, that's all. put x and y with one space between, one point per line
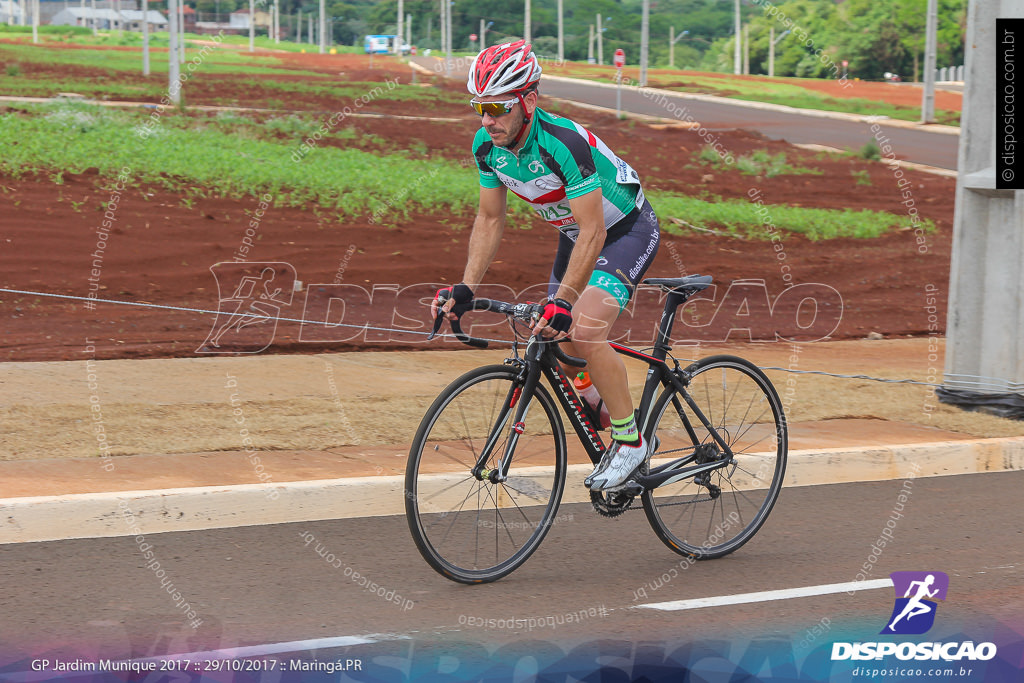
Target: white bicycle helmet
505 68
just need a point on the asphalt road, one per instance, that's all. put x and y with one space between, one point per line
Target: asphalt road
254 586
918 146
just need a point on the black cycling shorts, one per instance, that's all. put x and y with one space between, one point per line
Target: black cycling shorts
628 252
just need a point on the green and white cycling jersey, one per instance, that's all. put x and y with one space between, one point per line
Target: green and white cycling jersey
559 161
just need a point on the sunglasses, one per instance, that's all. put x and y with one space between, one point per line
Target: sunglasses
493 108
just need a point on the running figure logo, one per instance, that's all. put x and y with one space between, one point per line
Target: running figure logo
251 296
914 612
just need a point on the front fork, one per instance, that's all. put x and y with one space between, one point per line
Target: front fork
518 399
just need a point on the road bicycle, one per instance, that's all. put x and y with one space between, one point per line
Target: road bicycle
488 465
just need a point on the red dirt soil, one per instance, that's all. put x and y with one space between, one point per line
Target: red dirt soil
161 251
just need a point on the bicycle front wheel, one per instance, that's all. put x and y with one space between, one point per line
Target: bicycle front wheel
712 514
468 528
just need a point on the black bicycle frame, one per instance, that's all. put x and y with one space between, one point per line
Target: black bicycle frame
541 357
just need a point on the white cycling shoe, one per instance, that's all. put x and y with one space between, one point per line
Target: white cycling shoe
619 461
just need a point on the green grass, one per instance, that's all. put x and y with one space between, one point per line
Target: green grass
269 44
862 177
216 60
870 151
80 35
742 219
757 163
229 155
23 63
178 156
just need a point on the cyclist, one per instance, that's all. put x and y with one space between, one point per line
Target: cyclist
609 232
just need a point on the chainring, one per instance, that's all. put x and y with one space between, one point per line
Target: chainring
611 505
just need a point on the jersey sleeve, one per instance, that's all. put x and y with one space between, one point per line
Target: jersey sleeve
482 146
571 157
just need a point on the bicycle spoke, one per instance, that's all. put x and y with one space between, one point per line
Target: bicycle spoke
449 488
449 519
719 514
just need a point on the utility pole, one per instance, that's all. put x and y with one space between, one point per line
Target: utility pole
322 28
399 31
483 34
736 32
145 37
600 41
35 21
590 46
173 67
252 25
671 47
527 33
928 97
645 22
448 19
93 21
771 52
561 31
408 30
277 21
298 27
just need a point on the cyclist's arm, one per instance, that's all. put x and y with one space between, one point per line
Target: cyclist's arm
588 210
486 235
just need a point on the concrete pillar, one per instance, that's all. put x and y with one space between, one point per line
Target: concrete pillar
527 24
321 29
928 96
561 31
943 74
960 73
672 47
737 56
173 66
645 25
985 320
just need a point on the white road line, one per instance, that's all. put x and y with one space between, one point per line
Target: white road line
764 596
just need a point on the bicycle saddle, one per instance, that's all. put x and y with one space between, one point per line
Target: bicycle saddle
693 283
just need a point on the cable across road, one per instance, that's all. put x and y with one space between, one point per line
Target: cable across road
509 342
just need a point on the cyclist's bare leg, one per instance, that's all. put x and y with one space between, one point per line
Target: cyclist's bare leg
594 314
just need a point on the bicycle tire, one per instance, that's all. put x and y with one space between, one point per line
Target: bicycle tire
749 416
445 503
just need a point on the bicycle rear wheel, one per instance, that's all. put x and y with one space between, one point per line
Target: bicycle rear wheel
713 514
468 528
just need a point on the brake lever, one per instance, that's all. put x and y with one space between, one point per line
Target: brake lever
456 329
437 324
